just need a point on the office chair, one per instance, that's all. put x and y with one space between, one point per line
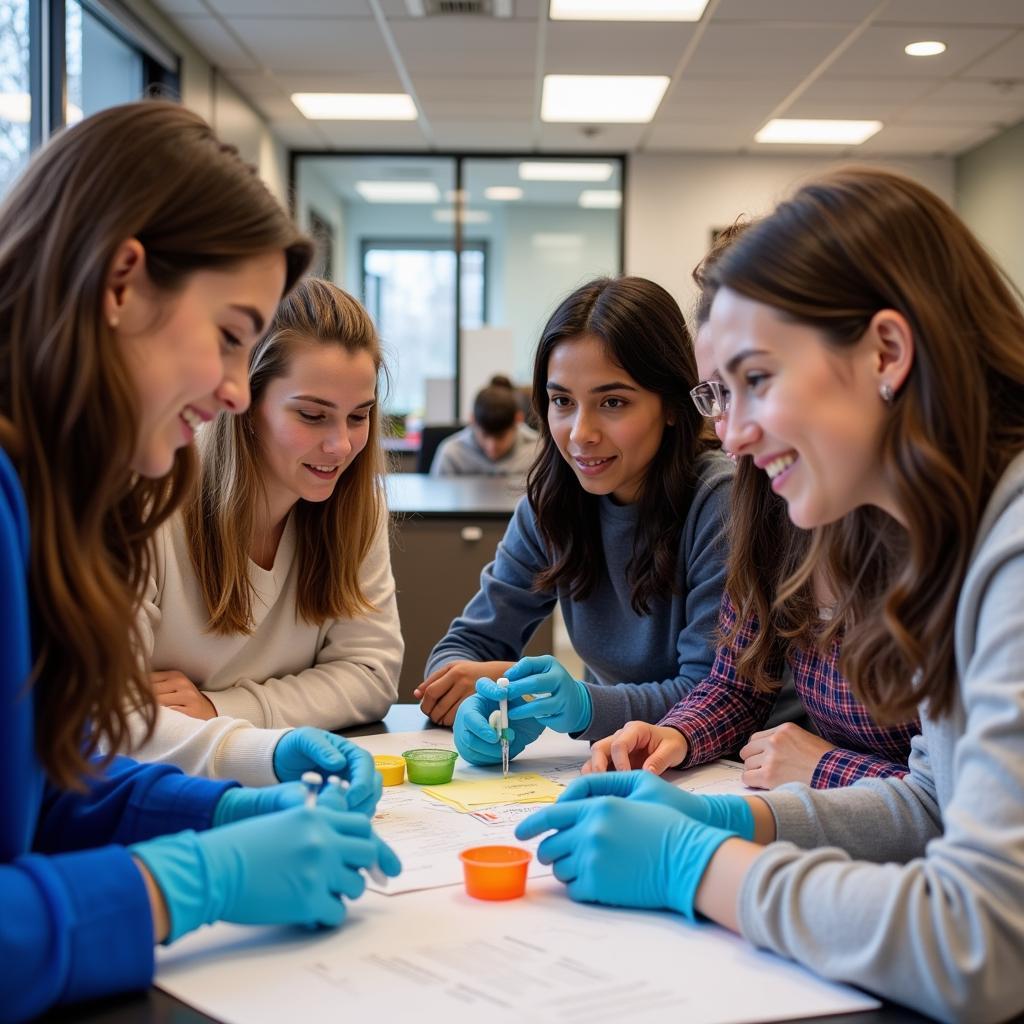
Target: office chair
432 436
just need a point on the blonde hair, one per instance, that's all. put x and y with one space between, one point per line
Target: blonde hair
333 537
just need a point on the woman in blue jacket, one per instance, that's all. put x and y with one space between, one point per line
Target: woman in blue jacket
139 262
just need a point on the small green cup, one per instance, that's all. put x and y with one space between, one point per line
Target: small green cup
429 766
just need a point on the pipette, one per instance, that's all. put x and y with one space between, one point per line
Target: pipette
503 721
342 786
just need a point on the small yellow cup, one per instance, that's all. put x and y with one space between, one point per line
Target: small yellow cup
391 768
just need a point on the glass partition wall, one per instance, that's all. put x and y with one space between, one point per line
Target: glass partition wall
523 231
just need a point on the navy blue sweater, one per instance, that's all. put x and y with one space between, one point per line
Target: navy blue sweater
75 920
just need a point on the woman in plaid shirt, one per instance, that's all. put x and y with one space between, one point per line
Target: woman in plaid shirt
727 710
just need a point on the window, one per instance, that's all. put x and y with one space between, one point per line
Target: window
15 102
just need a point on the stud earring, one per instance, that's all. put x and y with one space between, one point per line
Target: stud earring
113 321
887 393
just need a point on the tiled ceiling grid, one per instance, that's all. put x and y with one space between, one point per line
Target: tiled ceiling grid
477 79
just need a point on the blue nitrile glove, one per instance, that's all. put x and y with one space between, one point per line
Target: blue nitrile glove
731 813
477 742
565 708
625 853
250 802
286 868
308 749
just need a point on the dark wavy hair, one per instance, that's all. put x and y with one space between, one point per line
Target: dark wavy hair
69 413
847 245
643 331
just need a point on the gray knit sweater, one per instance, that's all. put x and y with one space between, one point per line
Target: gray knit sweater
914 888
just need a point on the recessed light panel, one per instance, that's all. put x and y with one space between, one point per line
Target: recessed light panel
601 198
793 131
399 191
564 170
627 10
926 48
503 193
602 99
355 106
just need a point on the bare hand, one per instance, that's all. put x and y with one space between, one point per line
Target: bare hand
177 691
654 748
786 753
444 690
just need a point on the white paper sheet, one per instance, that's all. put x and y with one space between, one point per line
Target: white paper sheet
440 957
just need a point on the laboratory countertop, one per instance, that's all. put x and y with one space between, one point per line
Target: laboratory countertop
155 1007
445 497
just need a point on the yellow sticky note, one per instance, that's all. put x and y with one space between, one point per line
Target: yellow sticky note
467 795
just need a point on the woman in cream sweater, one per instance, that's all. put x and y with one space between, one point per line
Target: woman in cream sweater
272 602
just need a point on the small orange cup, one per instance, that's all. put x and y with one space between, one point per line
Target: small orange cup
495 872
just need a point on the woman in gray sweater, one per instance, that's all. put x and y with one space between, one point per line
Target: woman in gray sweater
874 356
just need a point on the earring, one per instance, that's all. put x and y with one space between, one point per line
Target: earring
887 393
113 321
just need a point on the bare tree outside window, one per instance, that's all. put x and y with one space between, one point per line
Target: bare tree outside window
15 105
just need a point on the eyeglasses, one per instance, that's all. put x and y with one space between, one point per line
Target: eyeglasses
712 398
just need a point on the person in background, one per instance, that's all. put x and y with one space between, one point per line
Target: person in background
140 261
772 695
621 526
272 600
874 354
496 443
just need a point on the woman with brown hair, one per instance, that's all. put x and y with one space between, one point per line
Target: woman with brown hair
875 357
621 526
272 600
140 260
748 702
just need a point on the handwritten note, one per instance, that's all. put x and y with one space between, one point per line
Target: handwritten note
466 795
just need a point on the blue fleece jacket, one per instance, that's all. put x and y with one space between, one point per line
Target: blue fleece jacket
75 921
638 666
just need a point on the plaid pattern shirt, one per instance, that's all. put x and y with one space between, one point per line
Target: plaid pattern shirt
721 712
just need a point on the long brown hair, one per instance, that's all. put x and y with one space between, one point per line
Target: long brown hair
334 536
844 247
643 330
153 171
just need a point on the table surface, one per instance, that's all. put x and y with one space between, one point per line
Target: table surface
471 496
155 1007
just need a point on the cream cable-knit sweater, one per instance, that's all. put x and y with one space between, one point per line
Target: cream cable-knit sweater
286 673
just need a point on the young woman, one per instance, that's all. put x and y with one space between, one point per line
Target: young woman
621 525
140 260
875 358
732 709
272 599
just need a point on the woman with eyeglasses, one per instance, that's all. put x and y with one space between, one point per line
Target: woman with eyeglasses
747 691
875 357
621 525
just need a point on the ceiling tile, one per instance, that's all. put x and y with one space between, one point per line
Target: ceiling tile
181 6
371 135
766 50
899 90
592 48
293 9
315 44
482 134
879 51
848 11
704 99
710 138
957 12
298 135
476 46
519 108
215 42
521 9
611 138
479 87
944 139
1006 61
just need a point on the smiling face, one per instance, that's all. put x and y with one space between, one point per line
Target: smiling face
604 424
708 370
187 355
312 422
809 415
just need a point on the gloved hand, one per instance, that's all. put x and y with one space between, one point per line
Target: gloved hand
308 749
287 868
731 813
625 853
566 706
250 802
478 743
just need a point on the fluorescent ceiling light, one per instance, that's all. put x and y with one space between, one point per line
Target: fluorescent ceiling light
601 198
399 191
627 10
447 216
503 193
817 132
602 99
355 106
926 48
564 170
